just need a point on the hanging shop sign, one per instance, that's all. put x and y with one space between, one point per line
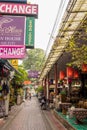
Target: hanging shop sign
17 1
30 25
10 52
33 74
12 30
14 63
19 9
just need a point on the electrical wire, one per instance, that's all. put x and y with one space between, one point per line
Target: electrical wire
56 23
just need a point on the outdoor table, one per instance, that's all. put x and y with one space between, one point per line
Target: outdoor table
64 106
79 113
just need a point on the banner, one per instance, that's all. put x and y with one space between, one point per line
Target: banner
12 52
33 74
12 30
30 26
19 9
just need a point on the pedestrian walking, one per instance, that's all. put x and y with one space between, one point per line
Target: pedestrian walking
5 89
30 96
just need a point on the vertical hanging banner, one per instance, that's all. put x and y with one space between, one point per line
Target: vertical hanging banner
30 27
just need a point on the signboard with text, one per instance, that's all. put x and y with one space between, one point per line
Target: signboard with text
12 30
30 26
11 52
19 9
18 1
33 74
14 63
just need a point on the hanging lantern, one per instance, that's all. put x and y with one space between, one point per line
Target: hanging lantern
61 75
75 74
69 72
84 67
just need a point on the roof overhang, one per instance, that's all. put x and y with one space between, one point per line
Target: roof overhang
73 18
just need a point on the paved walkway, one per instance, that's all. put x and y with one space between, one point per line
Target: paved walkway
29 116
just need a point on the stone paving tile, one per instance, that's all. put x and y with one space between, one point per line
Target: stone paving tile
29 116
6 120
2 121
53 121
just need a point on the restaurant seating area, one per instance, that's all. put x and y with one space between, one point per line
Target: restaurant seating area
70 101
72 116
73 113
69 122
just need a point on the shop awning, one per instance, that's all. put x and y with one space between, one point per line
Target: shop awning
7 65
73 19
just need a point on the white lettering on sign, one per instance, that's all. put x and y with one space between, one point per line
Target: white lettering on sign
12 52
10 29
27 9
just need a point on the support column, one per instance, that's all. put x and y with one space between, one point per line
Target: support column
48 86
45 88
56 79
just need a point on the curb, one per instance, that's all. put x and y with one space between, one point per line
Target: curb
53 121
63 121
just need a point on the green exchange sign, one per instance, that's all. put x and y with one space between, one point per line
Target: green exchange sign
30 25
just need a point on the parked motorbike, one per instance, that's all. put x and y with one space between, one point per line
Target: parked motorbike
43 103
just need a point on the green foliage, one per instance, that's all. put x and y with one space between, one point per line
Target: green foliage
21 76
34 60
63 92
39 89
78 52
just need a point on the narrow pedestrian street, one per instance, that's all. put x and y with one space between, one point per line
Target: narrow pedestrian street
31 117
